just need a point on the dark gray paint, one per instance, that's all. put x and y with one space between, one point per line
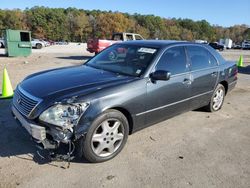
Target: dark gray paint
145 101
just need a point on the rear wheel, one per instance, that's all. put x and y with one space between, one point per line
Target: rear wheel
217 99
106 137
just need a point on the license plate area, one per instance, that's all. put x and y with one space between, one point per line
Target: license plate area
37 132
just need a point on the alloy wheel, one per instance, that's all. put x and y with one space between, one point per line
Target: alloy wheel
107 137
218 99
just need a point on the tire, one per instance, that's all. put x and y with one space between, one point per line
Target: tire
39 46
217 99
106 137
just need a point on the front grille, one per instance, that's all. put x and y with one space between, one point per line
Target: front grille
24 102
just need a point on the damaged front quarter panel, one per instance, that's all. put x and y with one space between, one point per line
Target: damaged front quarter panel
60 121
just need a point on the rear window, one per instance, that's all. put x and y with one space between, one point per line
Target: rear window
200 58
138 37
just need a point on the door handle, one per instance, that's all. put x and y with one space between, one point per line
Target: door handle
214 74
187 81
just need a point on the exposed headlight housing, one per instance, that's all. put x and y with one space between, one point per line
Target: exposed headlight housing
64 115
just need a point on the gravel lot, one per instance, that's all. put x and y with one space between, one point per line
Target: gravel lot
195 149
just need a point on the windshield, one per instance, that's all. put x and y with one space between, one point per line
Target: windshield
125 59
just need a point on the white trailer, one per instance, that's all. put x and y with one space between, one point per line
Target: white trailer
228 43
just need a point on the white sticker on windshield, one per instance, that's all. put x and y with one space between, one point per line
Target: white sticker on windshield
138 71
147 50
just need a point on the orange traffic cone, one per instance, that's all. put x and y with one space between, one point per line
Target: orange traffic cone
7 91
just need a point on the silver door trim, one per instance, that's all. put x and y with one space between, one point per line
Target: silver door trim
165 106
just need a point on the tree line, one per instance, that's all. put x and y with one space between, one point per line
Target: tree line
78 25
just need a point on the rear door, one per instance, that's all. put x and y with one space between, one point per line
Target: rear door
168 98
204 73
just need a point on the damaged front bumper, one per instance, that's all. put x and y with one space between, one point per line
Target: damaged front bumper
45 137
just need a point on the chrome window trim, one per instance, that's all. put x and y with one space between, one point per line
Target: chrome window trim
188 63
208 68
193 71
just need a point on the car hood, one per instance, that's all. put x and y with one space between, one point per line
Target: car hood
68 81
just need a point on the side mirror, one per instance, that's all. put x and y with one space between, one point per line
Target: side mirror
160 75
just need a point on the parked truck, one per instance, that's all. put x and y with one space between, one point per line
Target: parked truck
97 45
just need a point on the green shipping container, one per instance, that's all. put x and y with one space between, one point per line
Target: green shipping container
18 43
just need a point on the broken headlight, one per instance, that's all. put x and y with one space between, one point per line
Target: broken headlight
64 115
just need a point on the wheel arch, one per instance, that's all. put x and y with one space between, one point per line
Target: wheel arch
225 84
127 114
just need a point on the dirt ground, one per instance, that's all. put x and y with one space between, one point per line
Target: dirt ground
195 149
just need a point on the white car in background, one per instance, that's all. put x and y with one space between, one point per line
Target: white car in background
246 45
38 44
46 43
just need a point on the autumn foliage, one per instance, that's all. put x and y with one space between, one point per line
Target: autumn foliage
73 24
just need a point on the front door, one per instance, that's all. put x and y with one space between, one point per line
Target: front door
168 98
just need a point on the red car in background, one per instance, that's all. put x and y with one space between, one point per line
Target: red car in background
97 45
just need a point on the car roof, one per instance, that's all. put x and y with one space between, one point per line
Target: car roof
157 43
165 43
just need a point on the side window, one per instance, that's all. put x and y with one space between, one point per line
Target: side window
129 37
173 60
200 58
212 60
138 37
117 37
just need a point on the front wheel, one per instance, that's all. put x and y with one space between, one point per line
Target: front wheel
106 136
217 99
